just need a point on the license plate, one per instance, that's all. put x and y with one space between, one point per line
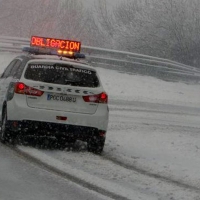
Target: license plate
53 97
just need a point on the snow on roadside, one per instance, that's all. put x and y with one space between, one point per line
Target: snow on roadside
148 89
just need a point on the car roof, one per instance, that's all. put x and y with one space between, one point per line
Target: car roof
57 59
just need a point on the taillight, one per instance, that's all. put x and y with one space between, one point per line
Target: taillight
103 98
21 88
97 98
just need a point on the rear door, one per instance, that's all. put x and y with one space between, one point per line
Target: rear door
63 86
4 82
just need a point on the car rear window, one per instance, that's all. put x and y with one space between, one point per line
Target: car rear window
61 74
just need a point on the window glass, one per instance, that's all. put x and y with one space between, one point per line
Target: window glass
16 67
7 71
62 74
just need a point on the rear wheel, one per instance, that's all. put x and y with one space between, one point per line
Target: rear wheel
5 134
96 144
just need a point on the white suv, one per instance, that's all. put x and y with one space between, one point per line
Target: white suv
47 96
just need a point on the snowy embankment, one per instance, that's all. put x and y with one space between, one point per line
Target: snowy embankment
148 89
138 88
163 143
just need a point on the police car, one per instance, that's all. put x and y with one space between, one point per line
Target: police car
50 93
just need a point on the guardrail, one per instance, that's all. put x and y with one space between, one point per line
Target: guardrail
122 61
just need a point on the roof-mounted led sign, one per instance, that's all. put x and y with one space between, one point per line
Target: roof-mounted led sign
65 45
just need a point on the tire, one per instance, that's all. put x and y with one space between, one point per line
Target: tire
5 134
96 144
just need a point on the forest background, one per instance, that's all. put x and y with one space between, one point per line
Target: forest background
163 28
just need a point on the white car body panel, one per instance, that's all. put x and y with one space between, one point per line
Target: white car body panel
17 111
25 107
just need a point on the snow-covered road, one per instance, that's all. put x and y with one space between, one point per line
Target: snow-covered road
148 155
21 180
152 147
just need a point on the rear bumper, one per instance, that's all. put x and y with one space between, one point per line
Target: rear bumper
46 129
17 110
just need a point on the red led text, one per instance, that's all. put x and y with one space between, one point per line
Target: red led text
67 45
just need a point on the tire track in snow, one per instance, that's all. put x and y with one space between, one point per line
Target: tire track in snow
66 175
86 184
102 191
134 168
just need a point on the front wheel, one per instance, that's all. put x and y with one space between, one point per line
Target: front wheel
96 144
